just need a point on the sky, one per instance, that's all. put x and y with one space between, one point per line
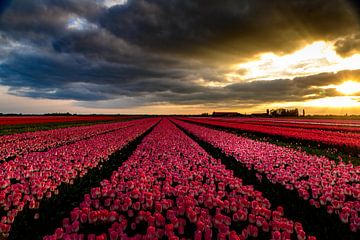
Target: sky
175 56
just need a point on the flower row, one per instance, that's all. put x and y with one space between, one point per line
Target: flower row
335 187
27 179
337 139
17 144
14 120
298 124
315 121
170 187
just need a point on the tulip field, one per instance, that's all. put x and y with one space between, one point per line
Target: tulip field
350 140
333 138
180 178
16 120
323 124
31 123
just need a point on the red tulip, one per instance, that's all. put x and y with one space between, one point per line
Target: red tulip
177 183
276 235
114 235
75 226
253 230
83 218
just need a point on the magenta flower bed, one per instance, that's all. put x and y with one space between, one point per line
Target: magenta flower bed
337 126
337 139
27 179
170 187
17 144
315 121
320 181
15 120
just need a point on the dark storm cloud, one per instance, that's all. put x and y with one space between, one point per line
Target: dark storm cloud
348 45
141 87
295 89
45 16
267 91
65 77
355 5
243 94
98 44
157 51
230 26
196 28
3 5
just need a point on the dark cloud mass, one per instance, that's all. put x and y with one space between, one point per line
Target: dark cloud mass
156 51
3 5
348 45
229 26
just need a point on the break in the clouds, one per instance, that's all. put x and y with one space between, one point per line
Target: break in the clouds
122 54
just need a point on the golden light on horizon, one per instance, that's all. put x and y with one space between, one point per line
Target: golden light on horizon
334 102
348 87
312 59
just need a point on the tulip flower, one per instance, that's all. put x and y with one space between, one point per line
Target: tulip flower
318 180
20 144
334 138
170 187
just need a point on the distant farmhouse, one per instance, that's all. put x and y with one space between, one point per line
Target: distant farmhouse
259 115
279 112
282 112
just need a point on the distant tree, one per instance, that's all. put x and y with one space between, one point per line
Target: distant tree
282 112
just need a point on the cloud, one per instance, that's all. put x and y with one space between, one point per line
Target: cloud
348 45
111 3
142 52
3 5
74 77
223 29
228 27
66 77
267 91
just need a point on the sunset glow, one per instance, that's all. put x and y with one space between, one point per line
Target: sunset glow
349 88
334 102
119 56
311 59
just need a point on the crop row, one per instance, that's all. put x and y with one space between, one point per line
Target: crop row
18 144
318 180
27 179
297 124
314 121
14 120
338 139
170 187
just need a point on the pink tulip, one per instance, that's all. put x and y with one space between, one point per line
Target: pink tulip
114 235
253 230
287 167
83 218
170 182
59 233
276 235
151 232
75 226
